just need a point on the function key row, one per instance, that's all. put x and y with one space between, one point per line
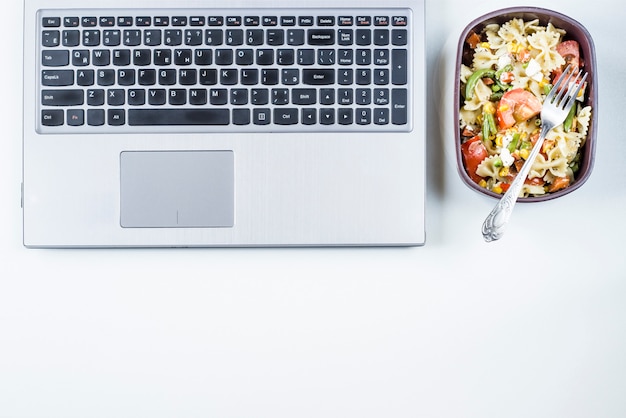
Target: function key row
144 21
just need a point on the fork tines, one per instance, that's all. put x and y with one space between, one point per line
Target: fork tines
559 95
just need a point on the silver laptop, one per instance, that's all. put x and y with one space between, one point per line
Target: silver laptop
163 123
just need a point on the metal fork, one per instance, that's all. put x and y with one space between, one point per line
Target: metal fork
555 108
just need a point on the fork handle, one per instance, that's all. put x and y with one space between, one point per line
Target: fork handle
495 223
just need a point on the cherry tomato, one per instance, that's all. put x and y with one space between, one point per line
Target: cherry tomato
570 51
474 152
558 184
516 105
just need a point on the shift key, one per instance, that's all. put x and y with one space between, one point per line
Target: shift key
62 97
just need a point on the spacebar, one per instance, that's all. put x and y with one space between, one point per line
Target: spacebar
144 117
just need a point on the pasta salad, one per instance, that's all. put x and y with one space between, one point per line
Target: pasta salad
513 68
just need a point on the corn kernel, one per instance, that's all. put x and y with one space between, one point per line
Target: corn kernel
524 153
497 189
482 183
504 171
485 45
499 140
489 108
513 47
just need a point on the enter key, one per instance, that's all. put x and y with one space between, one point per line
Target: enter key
399 111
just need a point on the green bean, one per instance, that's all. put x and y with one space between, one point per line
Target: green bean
569 120
473 80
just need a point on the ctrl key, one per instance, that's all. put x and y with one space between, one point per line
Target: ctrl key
52 117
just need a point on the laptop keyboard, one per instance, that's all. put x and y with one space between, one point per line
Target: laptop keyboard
233 70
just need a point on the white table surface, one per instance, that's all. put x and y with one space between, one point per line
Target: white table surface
533 325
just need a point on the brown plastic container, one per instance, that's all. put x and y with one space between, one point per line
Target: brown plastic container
574 31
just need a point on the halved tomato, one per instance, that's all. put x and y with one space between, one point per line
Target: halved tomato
570 51
474 152
516 105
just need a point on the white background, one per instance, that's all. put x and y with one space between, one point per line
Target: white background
533 325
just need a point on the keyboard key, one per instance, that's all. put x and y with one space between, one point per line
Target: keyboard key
95 97
179 21
399 21
57 77
51 38
364 116
260 96
321 37
95 117
309 116
132 37
318 77
116 97
157 97
327 116
241 117
71 22
196 21
51 22
345 21
143 21
381 21
105 77
55 58
161 21
85 77
116 117
363 20
52 117
233 21
216 20
285 116
280 96
295 37
399 37
345 116
62 97
75 117
381 116
89 21
173 37
261 116
303 96
306 20
219 97
196 116
198 97
136 97
71 38
107 21
381 37
399 109
363 37
399 66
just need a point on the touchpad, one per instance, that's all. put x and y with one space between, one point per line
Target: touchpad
177 189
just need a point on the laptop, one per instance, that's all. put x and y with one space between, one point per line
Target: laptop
207 123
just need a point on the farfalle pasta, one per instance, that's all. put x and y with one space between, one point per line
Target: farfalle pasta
513 67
